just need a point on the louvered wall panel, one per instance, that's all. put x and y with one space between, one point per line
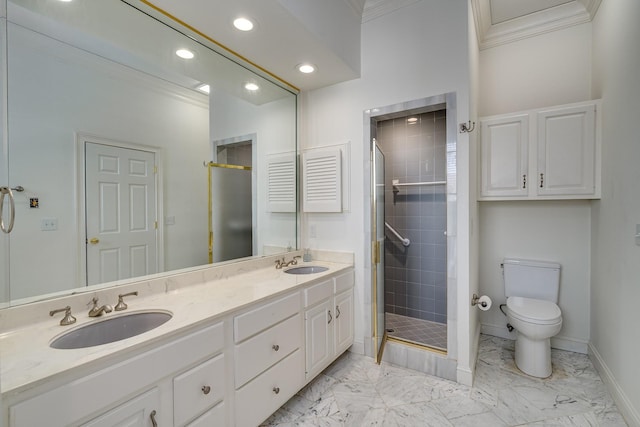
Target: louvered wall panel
281 188
322 180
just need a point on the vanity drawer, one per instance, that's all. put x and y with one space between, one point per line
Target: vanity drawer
198 389
265 316
316 293
266 349
344 282
214 417
266 393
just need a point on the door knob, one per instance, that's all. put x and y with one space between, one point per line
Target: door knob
94 241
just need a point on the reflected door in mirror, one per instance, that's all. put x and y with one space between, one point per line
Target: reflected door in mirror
121 213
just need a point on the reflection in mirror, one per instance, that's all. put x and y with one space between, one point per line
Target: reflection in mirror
111 134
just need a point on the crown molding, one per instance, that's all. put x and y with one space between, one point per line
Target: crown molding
545 21
376 8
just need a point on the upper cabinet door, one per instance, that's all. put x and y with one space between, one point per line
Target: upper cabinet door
504 156
566 139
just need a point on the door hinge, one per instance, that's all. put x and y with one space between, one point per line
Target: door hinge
155 169
375 256
155 224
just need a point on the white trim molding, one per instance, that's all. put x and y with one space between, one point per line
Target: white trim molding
555 18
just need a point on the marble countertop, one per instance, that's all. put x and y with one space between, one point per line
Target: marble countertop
27 361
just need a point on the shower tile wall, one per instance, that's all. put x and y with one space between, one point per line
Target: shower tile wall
416 276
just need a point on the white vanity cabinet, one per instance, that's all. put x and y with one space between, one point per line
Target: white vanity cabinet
328 321
234 369
268 361
551 153
136 389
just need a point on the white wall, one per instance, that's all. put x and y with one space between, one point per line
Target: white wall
546 70
415 52
615 290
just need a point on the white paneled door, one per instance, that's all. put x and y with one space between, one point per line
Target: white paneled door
120 197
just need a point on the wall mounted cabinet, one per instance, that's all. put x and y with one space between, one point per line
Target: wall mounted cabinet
543 154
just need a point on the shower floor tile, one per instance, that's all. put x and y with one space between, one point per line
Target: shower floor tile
423 332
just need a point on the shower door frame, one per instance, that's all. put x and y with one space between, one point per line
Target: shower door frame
447 101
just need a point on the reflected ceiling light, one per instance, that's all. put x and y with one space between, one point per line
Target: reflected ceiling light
185 53
251 86
306 68
204 88
243 24
65 1
412 120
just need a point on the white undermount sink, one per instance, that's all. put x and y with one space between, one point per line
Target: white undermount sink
308 269
111 329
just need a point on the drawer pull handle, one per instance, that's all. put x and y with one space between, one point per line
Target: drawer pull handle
524 181
276 390
275 347
206 389
337 312
152 415
541 180
330 316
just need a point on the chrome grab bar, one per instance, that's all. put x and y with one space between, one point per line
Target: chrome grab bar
405 242
12 209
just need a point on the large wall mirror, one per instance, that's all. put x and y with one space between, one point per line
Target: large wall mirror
126 159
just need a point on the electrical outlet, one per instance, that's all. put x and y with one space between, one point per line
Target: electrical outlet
49 224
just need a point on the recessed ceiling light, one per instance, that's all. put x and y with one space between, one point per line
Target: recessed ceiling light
243 24
306 68
251 86
204 88
412 120
65 1
185 53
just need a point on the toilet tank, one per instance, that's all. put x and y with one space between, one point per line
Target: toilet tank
531 279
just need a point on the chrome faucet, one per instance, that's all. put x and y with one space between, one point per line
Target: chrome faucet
97 311
68 319
294 261
282 263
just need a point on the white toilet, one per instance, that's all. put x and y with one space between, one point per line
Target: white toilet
531 288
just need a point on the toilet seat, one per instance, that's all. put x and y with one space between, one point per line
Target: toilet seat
532 310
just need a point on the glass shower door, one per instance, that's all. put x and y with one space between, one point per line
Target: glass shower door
378 247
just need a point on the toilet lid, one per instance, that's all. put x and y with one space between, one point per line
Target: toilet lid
534 310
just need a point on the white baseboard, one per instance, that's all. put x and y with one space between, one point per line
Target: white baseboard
463 375
630 414
357 347
558 342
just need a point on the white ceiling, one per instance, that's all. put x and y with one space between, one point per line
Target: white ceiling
327 32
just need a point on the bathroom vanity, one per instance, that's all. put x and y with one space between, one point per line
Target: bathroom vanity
242 340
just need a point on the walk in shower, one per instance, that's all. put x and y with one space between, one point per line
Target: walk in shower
415 224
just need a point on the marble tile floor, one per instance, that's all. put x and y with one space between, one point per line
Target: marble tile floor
423 332
354 391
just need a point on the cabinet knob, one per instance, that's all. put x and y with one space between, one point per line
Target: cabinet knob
275 347
206 389
276 390
94 241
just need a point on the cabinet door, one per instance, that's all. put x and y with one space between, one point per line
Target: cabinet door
504 156
344 321
140 411
566 151
319 336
